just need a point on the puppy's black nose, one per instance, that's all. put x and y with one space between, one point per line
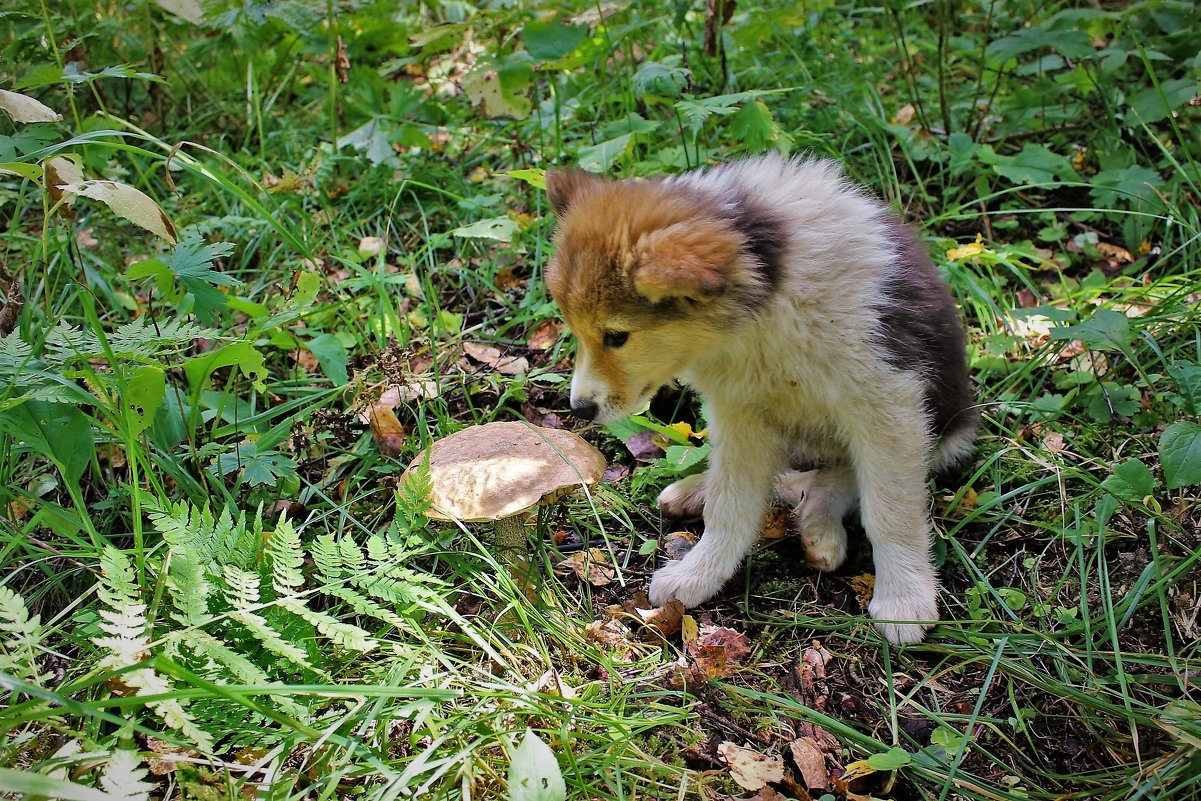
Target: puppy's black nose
585 410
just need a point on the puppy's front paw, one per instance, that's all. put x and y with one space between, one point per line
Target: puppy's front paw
825 541
685 582
915 603
684 498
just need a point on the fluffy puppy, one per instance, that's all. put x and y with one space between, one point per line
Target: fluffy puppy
828 349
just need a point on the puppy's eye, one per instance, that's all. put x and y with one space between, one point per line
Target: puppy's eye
615 339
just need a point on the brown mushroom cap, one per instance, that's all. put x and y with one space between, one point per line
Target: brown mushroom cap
497 470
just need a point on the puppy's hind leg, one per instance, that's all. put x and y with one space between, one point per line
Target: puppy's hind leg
821 499
684 498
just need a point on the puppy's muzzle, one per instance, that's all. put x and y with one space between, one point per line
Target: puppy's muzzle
584 409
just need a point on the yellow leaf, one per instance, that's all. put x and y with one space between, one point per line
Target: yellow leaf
967 251
127 202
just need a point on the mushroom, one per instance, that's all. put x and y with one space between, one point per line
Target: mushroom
499 472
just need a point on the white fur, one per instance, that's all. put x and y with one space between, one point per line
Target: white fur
804 380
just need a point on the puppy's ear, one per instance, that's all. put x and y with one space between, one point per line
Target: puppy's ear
565 187
693 259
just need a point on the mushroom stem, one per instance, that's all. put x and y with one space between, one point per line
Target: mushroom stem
513 550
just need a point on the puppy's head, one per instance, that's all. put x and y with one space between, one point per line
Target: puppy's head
648 276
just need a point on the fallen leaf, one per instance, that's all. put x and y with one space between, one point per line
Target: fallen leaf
750 769
1115 253
386 430
811 763
678 543
863 586
127 202
615 473
734 644
505 365
612 634
552 683
506 278
667 620
689 630
370 246
545 335
592 566
967 251
23 108
642 446
775 524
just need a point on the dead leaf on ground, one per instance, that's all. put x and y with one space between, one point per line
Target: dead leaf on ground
667 620
775 524
863 586
642 446
545 335
592 566
505 365
764 794
370 246
904 114
386 430
811 671
677 543
613 635
615 473
735 644
811 763
506 278
750 769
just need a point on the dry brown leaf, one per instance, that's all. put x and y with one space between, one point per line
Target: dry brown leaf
505 365
613 634
678 543
750 769
386 430
545 335
734 644
642 446
667 620
370 246
188 10
127 202
23 108
904 114
863 586
592 566
775 524
1115 253
58 171
811 762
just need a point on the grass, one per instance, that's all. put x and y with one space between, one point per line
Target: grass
324 640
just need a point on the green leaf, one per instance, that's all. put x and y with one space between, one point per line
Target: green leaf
1034 165
1180 454
259 467
499 228
371 139
34 785
331 355
755 127
535 178
1131 481
551 41
1188 381
31 171
1069 43
892 759
144 392
1156 103
534 773
1130 185
661 78
1109 400
58 430
599 157
1105 330
200 369
950 739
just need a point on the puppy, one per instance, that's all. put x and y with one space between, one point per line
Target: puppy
819 334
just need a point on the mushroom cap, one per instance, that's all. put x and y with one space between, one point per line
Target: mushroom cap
497 470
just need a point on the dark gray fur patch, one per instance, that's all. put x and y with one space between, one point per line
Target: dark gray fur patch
765 235
921 332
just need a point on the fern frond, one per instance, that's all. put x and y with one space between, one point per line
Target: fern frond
346 635
189 589
273 641
140 340
22 636
283 548
171 711
124 778
413 498
327 559
241 588
365 606
123 615
241 668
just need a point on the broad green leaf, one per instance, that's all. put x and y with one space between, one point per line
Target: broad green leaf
599 157
58 430
371 138
499 228
144 392
892 759
535 178
1188 382
259 467
31 171
1131 481
1109 400
534 773
200 369
1034 165
499 88
754 127
308 284
1105 330
1130 185
551 41
1151 106
1180 454
331 355
1070 43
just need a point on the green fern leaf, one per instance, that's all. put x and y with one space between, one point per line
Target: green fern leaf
346 635
367 607
241 668
326 557
23 635
287 559
124 778
274 642
189 589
